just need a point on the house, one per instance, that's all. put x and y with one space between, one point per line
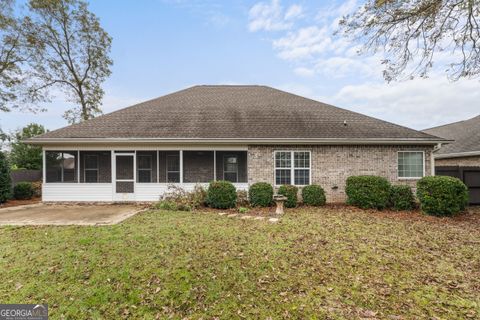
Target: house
243 134
461 157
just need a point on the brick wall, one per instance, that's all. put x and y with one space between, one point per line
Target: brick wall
332 165
462 162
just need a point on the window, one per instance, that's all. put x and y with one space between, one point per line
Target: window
292 172
144 165
173 168
230 168
91 168
61 166
410 164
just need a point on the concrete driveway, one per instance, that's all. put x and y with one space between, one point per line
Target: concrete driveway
66 214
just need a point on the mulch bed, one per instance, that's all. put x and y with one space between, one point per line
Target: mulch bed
15 203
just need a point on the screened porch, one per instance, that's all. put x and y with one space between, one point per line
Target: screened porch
138 175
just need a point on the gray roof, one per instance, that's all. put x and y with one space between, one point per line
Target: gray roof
465 133
235 112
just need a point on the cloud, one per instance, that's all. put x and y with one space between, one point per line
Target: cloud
418 103
303 43
304 72
271 16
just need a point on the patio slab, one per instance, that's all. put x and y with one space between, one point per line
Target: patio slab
67 214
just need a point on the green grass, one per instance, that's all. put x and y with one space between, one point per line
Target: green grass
316 263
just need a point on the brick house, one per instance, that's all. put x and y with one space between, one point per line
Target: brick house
461 157
243 134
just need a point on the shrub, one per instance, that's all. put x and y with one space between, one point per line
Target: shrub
183 200
37 188
291 192
221 195
5 180
261 194
401 198
313 195
166 205
243 210
368 192
23 191
242 198
442 195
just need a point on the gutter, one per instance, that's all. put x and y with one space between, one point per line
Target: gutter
457 155
242 141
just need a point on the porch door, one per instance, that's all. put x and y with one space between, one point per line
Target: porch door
124 177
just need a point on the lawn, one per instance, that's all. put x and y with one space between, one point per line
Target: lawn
328 263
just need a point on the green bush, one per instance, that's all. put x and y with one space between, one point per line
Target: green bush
23 191
368 192
261 194
401 198
176 198
5 180
243 210
313 195
166 205
442 195
291 192
221 195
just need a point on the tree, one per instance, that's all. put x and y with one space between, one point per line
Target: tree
71 53
23 155
415 34
5 179
11 55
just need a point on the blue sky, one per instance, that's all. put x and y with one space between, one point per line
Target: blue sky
160 46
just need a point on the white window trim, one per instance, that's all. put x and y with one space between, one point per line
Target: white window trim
145 169
224 171
292 167
90 169
423 166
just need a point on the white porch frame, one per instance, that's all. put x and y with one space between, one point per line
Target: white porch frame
91 191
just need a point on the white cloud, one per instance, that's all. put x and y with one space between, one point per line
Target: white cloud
293 12
418 103
303 43
272 16
304 72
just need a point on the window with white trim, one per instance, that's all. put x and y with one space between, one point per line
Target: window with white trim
411 164
292 167
230 168
91 168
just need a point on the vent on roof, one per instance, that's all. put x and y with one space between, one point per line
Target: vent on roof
345 123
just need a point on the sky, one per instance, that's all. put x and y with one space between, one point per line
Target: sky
161 46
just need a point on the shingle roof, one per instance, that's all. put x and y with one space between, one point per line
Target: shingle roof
465 133
235 112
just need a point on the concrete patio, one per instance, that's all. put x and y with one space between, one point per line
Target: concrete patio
67 214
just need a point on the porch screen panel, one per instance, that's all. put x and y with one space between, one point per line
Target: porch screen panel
61 166
146 166
198 166
89 160
169 166
230 171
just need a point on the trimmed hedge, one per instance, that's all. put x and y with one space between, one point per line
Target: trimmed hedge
401 198
313 195
23 191
368 192
260 194
5 180
291 192
221 195
442 195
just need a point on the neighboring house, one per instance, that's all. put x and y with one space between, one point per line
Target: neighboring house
244 134
460 158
